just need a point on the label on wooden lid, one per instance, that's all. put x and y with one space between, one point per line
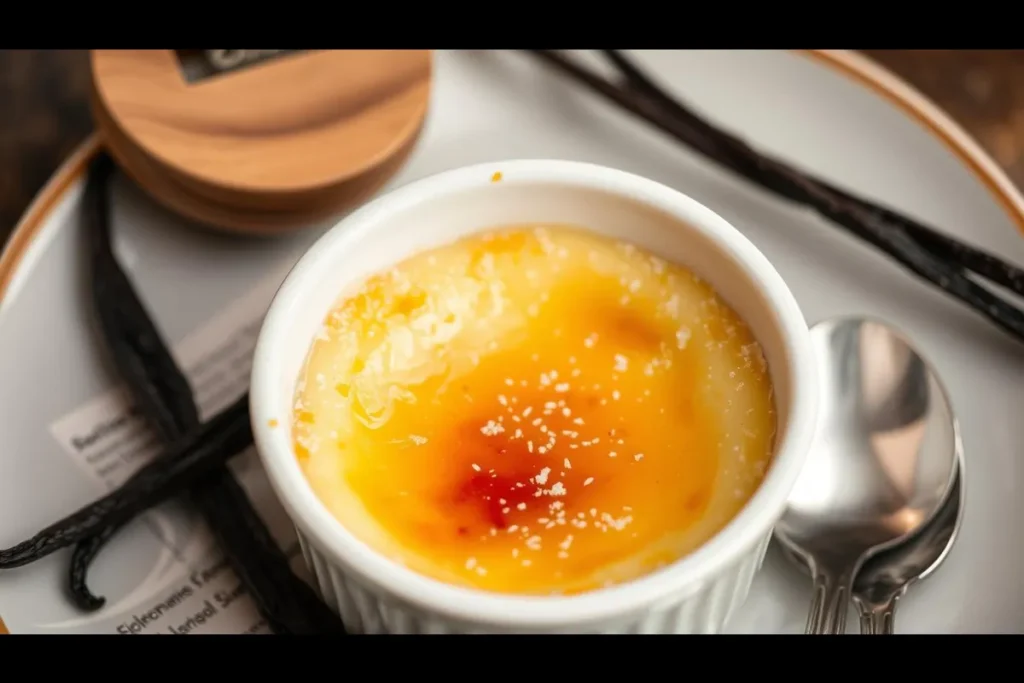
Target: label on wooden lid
197 65
266 121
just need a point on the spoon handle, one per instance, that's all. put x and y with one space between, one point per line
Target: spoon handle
830 603
817 603
877 618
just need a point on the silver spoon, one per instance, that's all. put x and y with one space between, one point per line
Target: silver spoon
883 461
885 577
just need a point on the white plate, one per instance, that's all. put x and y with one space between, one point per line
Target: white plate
833 113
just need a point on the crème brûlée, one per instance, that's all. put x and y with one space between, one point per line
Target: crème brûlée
534 410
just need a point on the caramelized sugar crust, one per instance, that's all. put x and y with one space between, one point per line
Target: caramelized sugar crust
534 410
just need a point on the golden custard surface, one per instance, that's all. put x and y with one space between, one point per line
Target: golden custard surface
534 410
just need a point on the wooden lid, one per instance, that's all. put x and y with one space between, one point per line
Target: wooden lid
290 123
181 199
252 139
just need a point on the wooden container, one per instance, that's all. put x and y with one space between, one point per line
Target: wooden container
260 141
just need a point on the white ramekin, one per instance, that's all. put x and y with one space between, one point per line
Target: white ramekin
374 594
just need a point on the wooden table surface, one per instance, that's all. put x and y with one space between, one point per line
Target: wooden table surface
45 111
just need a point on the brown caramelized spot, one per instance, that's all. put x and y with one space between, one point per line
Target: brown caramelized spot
494 495
697 501
629 329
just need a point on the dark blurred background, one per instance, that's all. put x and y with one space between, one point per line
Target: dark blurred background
45 111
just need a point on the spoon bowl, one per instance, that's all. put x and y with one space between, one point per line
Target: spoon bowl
885 577
883 462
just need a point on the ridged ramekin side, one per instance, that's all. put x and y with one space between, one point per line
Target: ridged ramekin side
364 611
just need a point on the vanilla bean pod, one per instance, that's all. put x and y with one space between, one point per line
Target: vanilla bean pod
165 396
872 224
987 265
971 258
163 393
82 556
287 603
200 452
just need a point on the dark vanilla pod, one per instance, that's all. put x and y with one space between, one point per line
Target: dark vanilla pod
195 461
162 394
201 451
942 261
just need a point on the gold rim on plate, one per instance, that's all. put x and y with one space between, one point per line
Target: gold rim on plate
847 63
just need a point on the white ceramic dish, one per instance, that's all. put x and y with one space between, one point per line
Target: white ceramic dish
375 594
836 114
